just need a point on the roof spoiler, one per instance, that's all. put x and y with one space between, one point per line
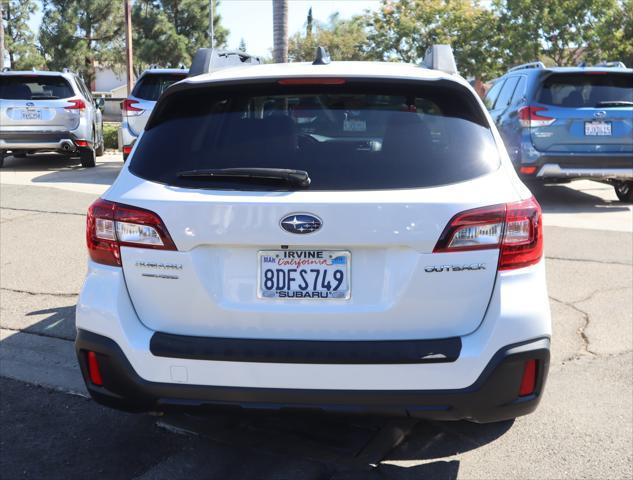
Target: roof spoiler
440 57
527 65
611 64
210 59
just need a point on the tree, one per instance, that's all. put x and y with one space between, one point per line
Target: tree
560 32
403 31
280 31
168 32
344 39
615 34
81 34
18 39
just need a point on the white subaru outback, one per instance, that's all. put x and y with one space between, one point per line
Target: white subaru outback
344 236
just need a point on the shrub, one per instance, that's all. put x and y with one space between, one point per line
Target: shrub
110 135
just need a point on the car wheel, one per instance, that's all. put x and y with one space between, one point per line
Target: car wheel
624 191
87 157
2 155
99 150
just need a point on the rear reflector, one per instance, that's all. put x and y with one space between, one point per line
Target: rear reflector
528 381
81 143
528 170
514 228
311 81
93 369
112 225
531 116
127 149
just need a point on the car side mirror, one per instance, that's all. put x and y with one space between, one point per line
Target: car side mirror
100 103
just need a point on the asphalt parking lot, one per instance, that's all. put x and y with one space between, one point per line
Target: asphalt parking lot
49 429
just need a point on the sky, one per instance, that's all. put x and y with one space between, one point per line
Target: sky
252 19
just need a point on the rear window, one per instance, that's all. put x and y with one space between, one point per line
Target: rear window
34 87
591 89
151 85
347 137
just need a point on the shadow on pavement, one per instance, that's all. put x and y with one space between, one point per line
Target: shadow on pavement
562 199
64 169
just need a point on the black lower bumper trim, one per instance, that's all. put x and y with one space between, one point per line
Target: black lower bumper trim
305 351
493 397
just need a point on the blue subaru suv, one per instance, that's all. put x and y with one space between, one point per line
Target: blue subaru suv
565 123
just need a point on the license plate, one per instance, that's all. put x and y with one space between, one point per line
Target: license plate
31 115
597 129
299 274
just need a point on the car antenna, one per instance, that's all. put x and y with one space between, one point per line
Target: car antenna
322 57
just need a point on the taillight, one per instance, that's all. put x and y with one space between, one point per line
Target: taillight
127 149
530 117
312 81
112 225
515 229
128 108
77 104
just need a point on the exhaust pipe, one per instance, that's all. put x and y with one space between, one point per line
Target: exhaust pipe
67 146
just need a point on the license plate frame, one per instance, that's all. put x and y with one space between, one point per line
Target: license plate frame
598 128
342 261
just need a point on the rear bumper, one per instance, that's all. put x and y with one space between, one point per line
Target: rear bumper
492 397
125 136
551 170
33 141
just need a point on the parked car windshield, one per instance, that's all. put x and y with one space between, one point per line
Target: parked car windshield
34 87
151 85
588 89
347 137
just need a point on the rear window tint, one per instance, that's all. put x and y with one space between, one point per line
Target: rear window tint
151 85
34 87
348 137
591 89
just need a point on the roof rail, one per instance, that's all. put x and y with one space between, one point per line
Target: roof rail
6 69
440 57
322 56
527 65
610 64
210 59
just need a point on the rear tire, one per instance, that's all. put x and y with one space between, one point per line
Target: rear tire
87 157
624 191
100 149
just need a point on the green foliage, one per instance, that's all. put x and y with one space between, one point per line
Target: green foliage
110 135
79 34
168 32
403 30
562 32
344 39
19 40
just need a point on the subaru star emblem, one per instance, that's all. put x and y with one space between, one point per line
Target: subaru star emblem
600 114
30 104
301 223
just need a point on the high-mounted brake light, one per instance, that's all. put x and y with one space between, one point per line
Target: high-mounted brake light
530 117
77 104
515 229
128 108
311 81
112 225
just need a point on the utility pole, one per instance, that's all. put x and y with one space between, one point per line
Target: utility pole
129 58
1 35
211 5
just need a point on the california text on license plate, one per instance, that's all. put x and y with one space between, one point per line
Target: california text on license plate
314 274
600 129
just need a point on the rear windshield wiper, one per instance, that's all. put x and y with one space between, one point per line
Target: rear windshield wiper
615 103
294 177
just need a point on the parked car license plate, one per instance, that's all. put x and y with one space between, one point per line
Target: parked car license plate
298 274
31 114
598 129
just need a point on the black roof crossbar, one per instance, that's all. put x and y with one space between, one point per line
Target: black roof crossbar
210 59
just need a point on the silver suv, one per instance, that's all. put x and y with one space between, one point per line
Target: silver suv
137 107
49 111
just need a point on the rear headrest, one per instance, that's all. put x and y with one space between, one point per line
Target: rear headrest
16 91
405 132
